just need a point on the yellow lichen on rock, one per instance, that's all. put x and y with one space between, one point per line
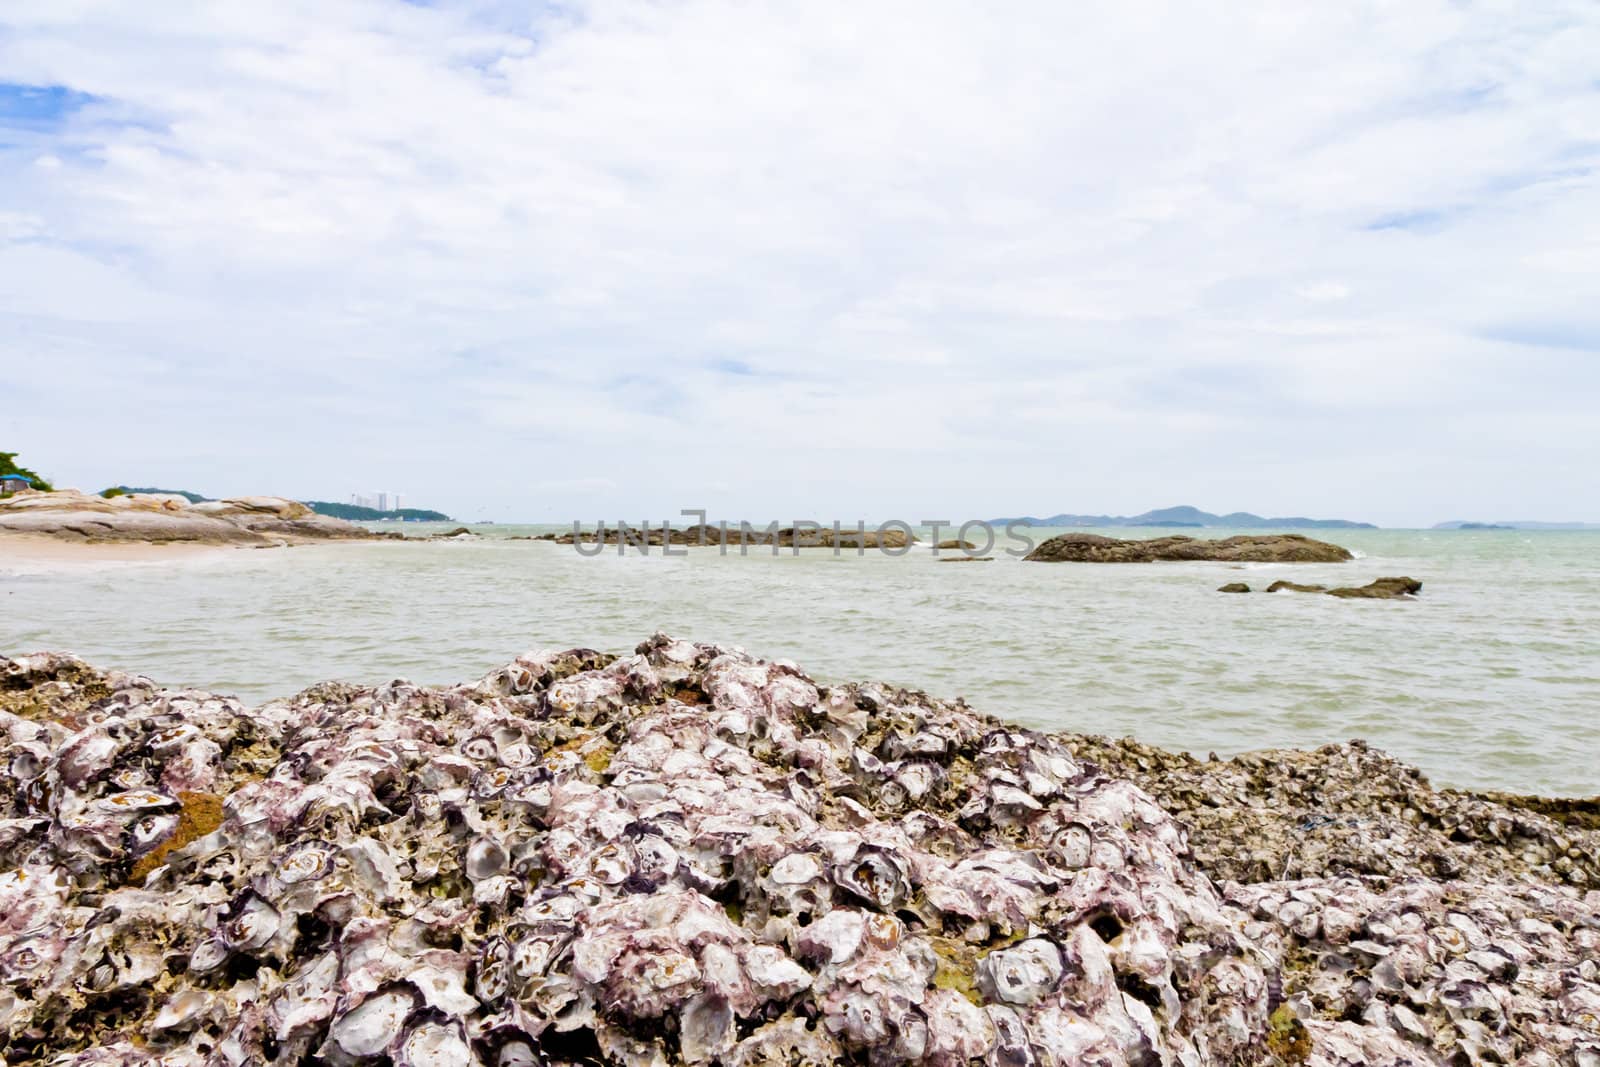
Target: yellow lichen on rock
954 967
200 814
1287 1037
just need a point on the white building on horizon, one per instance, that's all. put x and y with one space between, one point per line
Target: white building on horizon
380 500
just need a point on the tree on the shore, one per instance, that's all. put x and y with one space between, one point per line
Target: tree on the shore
8 465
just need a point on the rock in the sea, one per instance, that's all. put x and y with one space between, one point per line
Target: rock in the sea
1295 587
1233 587
69 515
733 536
965 546
1381 589
1378 589
1245 548
858 539
691 856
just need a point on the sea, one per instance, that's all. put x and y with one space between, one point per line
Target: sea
1489 679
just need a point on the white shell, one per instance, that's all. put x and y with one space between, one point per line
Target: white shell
372 1026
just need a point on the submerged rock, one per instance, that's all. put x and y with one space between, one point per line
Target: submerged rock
1245 548
1233 587
688 855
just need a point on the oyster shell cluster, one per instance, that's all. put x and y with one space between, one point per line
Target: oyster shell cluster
1352 809
1422 971
689 855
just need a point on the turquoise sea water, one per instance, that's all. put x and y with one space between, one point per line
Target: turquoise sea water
1490 679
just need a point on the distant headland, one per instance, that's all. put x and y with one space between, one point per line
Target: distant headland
1515 524
1186 516
31 507
359 513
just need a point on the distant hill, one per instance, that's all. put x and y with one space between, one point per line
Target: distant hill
1515 524
193 498
356 512
1191 516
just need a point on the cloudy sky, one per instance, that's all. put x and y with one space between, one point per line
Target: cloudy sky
891 259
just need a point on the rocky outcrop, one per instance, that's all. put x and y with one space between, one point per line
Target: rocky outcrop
1233 587
68 515
1295 587
708 535
1381 589
1377 589
688 855
1350 809
1247 548
1437 926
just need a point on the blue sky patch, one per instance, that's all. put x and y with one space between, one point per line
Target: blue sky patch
38 106
1414 221
1571 336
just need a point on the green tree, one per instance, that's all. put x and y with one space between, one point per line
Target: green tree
8 465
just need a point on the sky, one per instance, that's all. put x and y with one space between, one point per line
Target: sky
826 260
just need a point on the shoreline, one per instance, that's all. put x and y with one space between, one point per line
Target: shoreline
711 848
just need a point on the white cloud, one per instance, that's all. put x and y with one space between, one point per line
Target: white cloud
891 256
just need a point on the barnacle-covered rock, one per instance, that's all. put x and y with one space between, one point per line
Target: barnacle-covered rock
1470 972
689 855
1351 809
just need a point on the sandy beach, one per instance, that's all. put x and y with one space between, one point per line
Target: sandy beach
28 549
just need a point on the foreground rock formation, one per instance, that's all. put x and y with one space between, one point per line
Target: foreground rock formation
1245 548
68 515
688 855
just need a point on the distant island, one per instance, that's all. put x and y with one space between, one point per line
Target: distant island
1186 516
357 513
1515 524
